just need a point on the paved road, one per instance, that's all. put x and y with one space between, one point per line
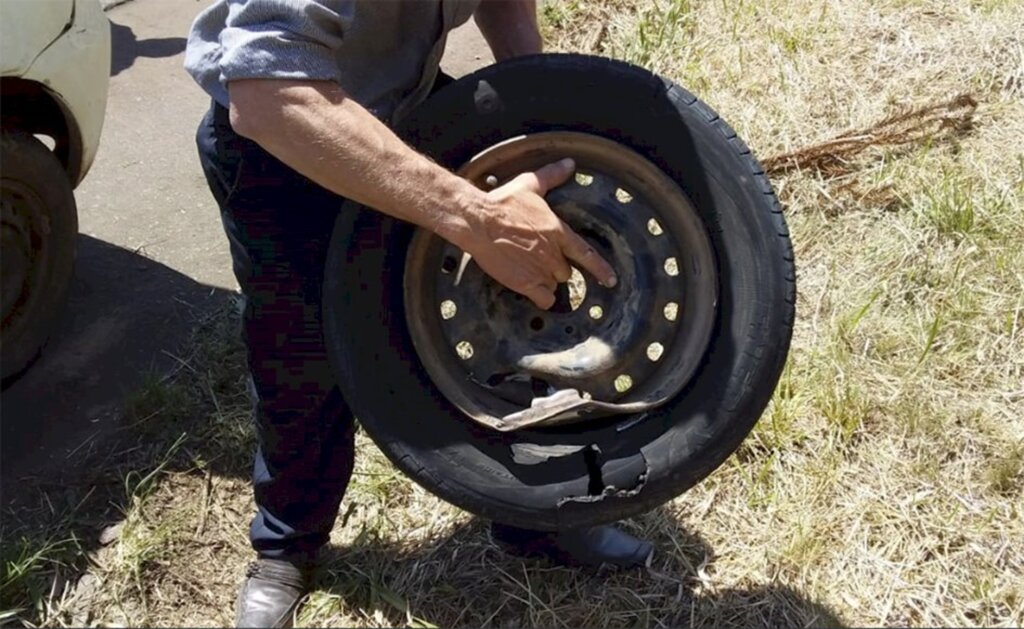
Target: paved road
152 255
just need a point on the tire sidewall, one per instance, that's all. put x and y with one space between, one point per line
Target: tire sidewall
27 160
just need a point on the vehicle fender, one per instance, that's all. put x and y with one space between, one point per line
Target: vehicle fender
75 69
27 28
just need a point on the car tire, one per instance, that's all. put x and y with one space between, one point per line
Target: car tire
40 228
618 468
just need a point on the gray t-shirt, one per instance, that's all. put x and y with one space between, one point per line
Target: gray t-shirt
384 53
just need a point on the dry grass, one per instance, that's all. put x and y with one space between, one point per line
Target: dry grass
884 481
883 484
932 123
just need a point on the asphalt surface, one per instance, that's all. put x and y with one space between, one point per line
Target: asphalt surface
152 256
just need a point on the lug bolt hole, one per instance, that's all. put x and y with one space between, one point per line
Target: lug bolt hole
654 351
449 264
671 310
464 349
537 324
569 329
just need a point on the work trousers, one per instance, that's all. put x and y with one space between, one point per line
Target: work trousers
279 226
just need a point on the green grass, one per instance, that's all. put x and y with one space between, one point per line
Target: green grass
29 568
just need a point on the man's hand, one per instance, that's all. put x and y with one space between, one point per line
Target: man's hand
516 238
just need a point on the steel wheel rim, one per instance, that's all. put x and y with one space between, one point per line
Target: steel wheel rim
641 341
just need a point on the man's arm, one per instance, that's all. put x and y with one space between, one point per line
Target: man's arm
510 231
510 27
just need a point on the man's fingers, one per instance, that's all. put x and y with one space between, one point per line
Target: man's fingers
561 270
580 252
548 177
542 296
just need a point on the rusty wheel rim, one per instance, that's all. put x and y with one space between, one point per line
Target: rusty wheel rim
491 352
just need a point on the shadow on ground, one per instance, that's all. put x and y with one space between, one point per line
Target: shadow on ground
126 48
464 579
126 316
173 452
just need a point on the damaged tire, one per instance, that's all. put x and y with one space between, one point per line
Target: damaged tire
738 295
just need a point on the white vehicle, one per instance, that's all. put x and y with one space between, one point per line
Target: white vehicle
55 62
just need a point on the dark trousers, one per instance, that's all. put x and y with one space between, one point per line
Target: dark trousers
279 226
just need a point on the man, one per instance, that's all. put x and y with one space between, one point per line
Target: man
304 91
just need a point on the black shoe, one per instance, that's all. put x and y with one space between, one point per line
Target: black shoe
591 547
270 594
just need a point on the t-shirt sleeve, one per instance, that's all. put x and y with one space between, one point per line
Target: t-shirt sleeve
283 39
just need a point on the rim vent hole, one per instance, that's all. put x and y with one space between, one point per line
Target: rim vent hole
577 289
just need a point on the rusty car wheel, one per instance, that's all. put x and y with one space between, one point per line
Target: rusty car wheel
651 384
492 353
